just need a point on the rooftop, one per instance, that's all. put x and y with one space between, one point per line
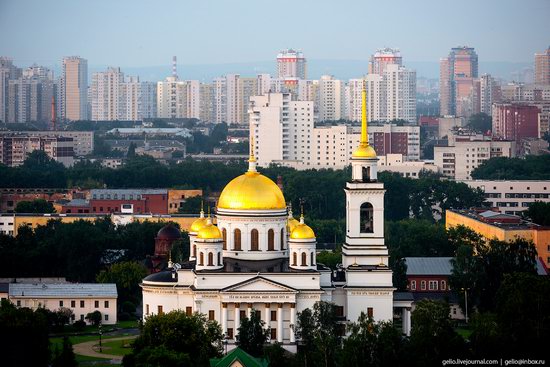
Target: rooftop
429 265
63 290
499 220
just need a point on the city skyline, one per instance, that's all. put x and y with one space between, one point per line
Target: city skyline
124 41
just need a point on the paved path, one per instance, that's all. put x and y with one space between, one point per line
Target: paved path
87 348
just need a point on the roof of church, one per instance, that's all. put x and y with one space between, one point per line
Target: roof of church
241 356
165 276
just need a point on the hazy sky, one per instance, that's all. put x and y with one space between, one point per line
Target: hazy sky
146 33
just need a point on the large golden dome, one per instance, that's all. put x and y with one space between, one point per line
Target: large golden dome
251 191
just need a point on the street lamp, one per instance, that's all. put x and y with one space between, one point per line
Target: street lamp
466 301
100 332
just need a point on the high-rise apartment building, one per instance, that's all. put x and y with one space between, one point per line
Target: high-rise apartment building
207 103
384 57
515 121
138 100
106 96
489 93
542 67
291 64
75 88
456 79
178 98
331 99
281 128
8 72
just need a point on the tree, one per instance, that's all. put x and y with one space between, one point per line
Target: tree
318 334
330 258
502 168
539 212
523 314
193 338
479 267
65 357
35 206
253 334
131 150
21 331
373 344
191 205
127 275
433 338
94 318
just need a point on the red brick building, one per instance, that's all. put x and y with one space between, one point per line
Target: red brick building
103 201
514 121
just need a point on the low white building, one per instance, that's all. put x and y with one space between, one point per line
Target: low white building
512 196
396 163
80 298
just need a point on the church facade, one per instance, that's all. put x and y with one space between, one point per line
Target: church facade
259 257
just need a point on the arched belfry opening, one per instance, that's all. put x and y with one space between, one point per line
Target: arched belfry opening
365 174
367 218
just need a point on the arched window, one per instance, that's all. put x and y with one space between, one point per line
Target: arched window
304 259
224 234
294 259
210 259
237 240
366 220
366 174
254 239
271 240
194 251
219 258
282 238
312 258
201 259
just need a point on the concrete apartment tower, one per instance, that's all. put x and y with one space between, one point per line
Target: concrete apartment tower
291 64
457 75
384 57
542 67
75 88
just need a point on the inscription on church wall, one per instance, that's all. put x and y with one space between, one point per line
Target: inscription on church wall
308 296
370 293
258 297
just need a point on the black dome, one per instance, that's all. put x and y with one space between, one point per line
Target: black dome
169 232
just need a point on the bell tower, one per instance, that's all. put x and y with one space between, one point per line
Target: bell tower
364 206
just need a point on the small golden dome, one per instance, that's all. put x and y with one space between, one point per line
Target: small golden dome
292 223
198 224
251 191
209 232
302 231
364 151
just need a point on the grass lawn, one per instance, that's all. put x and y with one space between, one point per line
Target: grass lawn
464 332
118 347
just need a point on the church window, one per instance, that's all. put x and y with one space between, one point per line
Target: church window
159 310
147 309
237 240
254 240
304 259
273 315
189 311
219 259
230 333
224 234
201 259
273 334
211 315
370 312
294 259
282 239
339 311
242 314
194 250
366 218
210 259
271 240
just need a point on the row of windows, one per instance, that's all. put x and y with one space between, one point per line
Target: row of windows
254 240
433 285
82 304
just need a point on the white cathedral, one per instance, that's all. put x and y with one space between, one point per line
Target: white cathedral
259 257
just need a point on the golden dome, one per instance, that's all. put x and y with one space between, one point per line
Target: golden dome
302 231
292 223
251 191
364 151
198 224
209 232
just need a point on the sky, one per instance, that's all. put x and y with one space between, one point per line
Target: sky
138 33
